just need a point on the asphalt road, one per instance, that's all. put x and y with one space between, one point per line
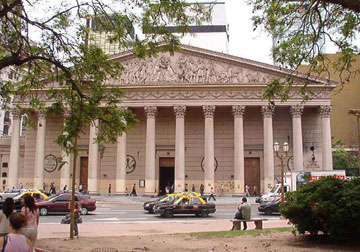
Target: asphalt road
122 212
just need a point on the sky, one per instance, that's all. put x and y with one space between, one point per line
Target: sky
243 41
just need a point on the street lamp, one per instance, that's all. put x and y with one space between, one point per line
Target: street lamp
282 157
356 112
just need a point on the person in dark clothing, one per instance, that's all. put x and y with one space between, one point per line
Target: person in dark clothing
201 189
133 192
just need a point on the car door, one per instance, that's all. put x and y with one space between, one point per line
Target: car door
196 206
60 204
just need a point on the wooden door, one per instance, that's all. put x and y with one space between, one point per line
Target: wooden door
84 163
252 174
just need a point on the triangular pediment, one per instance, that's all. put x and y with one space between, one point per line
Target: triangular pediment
198 66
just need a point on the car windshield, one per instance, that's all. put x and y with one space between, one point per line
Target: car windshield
178 201
274 189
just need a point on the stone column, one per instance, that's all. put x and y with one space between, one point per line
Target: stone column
14 150
150 186
296 112
180 148
239 172
325 112
268 112
40 151
93 159
209 112
121 162
65 170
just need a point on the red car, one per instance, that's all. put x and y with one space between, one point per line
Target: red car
60 204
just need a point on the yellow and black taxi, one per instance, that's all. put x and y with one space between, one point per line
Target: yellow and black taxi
18 199
149 205
186 205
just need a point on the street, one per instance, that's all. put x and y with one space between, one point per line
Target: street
123 212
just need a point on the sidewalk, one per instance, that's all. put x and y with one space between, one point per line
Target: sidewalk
113 199
145 228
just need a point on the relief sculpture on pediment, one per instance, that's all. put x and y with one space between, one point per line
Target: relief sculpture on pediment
186 69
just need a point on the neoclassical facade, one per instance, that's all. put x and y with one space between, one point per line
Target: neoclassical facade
201 121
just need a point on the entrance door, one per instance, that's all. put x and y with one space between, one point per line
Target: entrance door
84 163
166 174
252 174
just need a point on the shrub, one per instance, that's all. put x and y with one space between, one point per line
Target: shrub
329 205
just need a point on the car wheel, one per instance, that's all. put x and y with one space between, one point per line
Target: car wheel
268 211
43 211
168 214
204 214
84 211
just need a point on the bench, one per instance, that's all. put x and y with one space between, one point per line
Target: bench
258 223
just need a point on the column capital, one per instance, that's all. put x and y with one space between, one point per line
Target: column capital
209 111
15 112
267 110
151 111
325 111
296 111
238 111
41 114
179 111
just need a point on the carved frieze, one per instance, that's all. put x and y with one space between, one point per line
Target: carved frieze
186 69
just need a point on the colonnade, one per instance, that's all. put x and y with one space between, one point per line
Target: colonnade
150 161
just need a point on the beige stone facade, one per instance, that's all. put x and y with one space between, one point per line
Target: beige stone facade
201 121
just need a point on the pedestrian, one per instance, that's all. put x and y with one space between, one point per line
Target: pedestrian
30 229
76 218
222 189
15 241
201 189
133 192
54 188
193 189
51 188
44 187
21 186
75 186
212 193
247 190
254 192
172 188
109 189
186 188
244 213
65 188
80 188
167 189
7 210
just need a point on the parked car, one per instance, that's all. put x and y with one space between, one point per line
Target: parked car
186 205
270 207
60 204
18 199
9 193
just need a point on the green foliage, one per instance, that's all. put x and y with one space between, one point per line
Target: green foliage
343 159
330 206
302 27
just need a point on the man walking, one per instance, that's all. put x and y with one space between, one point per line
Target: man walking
212 194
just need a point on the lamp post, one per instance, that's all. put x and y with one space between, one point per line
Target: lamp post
282 157
356 112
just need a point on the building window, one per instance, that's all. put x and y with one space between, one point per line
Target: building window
5 165
7 117
6 130
4 174
23 125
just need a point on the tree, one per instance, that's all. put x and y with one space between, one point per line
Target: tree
301 27
48 43
344 160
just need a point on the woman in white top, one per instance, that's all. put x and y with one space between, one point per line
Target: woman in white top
32 219
7 210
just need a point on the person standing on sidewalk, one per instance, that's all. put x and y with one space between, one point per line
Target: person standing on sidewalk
7 210
212 193
30 230
76 218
